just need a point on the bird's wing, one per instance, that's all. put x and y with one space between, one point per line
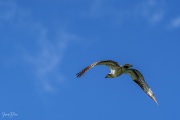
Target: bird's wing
111 64
139 79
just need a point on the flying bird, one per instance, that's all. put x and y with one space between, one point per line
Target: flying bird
117 70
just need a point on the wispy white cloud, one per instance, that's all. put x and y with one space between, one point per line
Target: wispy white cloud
11 12
8 10
96 9
175 23
47 61
150 10
48 56
101 9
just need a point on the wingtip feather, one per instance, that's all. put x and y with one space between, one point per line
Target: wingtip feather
151 95
155 100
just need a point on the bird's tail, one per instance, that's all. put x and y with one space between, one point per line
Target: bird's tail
151 95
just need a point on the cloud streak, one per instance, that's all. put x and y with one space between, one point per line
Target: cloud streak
152 11
46 53
8 10
47 61
11 12
175 23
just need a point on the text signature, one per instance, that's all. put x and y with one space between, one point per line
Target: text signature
10 114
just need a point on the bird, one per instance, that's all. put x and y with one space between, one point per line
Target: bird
117 70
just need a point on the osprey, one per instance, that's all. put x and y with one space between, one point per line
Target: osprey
117 70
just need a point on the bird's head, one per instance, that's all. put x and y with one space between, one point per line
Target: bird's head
126 66
109 76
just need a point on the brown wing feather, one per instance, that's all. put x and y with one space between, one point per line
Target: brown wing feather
139 79
108 63
86 69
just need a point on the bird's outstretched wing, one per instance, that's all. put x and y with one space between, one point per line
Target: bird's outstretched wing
139 79
111 64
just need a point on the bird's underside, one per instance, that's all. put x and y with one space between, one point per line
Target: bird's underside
109 63
117 70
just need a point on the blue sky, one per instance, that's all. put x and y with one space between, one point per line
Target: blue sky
44 43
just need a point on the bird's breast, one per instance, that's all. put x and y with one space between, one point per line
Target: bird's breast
116 72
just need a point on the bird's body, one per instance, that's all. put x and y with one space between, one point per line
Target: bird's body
117 70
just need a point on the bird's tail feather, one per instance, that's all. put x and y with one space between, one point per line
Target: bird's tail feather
151 95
